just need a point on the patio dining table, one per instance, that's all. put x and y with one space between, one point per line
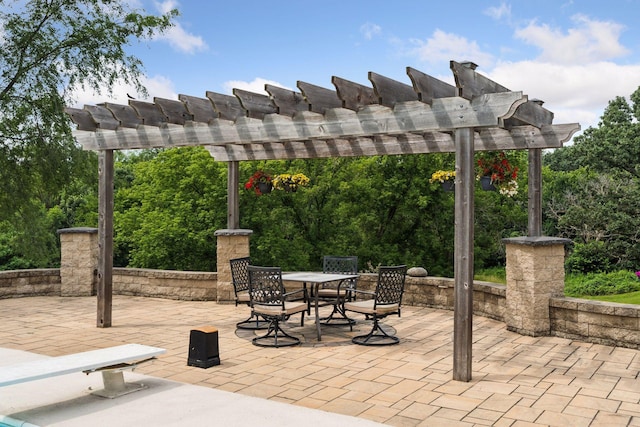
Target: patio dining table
316 279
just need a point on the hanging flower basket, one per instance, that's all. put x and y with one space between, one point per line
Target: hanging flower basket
265 187
486 184
290 183
445 178
260 183
448 186
496 173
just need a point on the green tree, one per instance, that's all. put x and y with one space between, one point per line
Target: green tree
49 49
166 216
591 191
613 147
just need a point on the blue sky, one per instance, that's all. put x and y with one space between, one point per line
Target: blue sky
574 55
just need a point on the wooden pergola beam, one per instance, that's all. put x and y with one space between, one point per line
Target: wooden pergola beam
406 117
524 137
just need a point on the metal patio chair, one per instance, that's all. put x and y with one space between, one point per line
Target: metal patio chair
385 300
337 293
240 280
270 300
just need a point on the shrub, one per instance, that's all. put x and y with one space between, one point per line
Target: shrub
617 282
589 257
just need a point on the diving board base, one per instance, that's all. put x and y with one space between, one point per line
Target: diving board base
114 385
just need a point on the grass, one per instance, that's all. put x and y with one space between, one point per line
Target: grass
628 298
620 286
494 275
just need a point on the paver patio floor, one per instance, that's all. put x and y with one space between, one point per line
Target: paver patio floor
517 380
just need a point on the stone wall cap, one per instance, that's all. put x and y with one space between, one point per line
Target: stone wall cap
233 232
87 230
537 241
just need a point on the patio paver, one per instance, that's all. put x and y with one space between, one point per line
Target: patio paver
516 381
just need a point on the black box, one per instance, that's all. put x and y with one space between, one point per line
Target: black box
203 347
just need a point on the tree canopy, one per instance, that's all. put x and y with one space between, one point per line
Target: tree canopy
591 191
49 49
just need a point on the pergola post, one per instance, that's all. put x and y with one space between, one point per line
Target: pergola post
105 238
463 262
535 193
233 201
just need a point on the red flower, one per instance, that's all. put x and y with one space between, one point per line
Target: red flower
258 177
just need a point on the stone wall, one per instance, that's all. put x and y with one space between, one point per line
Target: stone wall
489 299
183 285
596 321
27 283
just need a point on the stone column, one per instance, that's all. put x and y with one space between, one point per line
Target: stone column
535 273
232 243
78 261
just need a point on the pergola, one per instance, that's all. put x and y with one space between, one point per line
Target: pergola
389 118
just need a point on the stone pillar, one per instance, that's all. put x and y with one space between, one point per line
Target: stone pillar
78 261
232 243
535 273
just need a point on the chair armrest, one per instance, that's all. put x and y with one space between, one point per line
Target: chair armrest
297 291
358 291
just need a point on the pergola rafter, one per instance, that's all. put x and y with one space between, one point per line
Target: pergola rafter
388 118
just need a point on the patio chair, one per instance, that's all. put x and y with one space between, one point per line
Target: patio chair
270 300
385 300
336 293
240 280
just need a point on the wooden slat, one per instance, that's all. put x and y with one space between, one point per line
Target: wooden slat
201 109
354 95
529 113
102 116
175 111
319 98
150 113
471 84
228 107
256 105
288 101
125 114
381 145
82 119
389 91
428 88
406 117
526 137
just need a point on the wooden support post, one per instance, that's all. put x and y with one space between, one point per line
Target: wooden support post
233 201
105 238
463 263
535 193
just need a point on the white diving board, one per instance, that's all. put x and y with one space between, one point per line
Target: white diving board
110 361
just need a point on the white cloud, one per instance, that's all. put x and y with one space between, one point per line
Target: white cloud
177 36
257 85
588 41
499 12
370 30
157 86
574 92
443 47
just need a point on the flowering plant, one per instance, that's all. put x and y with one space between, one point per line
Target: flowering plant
290 182
503 174
258 177
442 176
638 274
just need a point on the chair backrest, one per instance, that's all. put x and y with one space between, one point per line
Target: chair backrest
343 265
390 286
265 286
240 274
